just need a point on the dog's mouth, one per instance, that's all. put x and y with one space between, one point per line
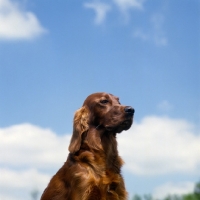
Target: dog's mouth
125 125
126 122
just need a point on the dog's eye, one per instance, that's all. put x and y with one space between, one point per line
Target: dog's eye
105 101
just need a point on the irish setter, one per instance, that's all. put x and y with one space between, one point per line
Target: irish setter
92 170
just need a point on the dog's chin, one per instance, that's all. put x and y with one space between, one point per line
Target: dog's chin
125 125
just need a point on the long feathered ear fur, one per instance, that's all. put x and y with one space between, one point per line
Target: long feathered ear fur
80 126
93 139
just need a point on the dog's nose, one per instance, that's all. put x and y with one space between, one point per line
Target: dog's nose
129 110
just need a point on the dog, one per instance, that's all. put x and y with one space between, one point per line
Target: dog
93 167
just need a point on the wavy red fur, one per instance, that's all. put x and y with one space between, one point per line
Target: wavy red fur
93 167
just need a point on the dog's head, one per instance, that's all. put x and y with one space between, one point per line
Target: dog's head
100 111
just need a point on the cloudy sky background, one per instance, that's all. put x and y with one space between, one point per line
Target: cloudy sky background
54 54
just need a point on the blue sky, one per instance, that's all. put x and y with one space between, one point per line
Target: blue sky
54 54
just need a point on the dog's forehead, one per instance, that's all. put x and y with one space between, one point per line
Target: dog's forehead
113 97
100 95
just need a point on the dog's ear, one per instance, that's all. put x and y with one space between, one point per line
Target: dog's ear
93 139
81 119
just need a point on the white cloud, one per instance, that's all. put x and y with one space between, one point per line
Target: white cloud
17 185
101 10
28 145
164 106
124 5
179 188
26 151
25 179
16 23
160 145
155 33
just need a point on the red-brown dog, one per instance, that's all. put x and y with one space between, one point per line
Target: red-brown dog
92 170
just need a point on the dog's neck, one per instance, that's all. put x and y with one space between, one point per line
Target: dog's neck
100 141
